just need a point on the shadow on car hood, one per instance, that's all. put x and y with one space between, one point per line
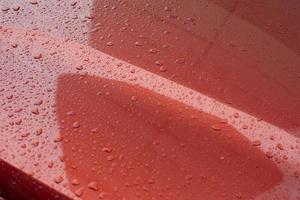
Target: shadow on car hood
87 124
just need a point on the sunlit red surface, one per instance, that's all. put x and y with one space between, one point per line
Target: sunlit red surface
151 100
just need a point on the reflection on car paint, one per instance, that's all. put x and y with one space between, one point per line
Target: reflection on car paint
207 108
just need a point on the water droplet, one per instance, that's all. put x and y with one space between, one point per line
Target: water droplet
109 44
80 67
14 45
5 9
102 195
18 121
110 158
93 185
50 164
152 50
163 69
238 196
75 182
95 130
166 8
279 146
70 113
73 3
35 111
39 132
269 154
256 143
180 61
38 102
107 149
58 179
16 8
188 177
138 44
34 2
38 56
159 63
58 139
236 115
76 125
133 98
151 181
216 127
79 192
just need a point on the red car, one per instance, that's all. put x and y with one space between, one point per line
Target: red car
150 99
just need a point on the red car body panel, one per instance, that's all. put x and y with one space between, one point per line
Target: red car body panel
152 100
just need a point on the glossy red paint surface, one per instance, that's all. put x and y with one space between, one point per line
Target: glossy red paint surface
239 52
150 100
148 146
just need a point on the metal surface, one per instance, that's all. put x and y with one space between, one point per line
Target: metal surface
151 100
